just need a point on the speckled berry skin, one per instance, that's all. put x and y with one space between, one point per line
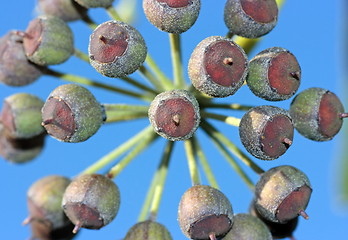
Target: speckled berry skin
204 210
95 3
116 49
292 194
215 70
248 227
68 10
49 41
91 201
263 131
172 16
168 106
148 230
316 114
21 115
72 114
15 69
251 18
274 74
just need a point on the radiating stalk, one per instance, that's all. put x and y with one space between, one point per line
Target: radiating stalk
165 81
81 55
190 155
226 119
113 13
175 46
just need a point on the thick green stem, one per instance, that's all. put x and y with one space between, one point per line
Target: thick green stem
233 106
227 119
125 116
113 13
190 155
108 158
145 73
124 112
175 46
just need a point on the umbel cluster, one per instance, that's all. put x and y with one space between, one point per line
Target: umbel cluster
59 207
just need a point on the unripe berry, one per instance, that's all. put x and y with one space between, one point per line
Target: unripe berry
266 132
95 3
21 115
218 67
72 114
91 201
248 227
148 230
204 213
317 113
282 194
251 18
173 16
48 40
15 69
175 115
274 74
67 10
116 49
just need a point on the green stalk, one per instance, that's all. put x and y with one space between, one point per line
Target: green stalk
233 106
145 73
175 46
115 107
231 147
111 156
204 162
113 13
124 112
135 83
190 155
227 119
165 81
86 19
81 55
125 116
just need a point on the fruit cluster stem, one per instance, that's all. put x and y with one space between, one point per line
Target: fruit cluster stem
227 119
233 106
113 13
175 46
192 163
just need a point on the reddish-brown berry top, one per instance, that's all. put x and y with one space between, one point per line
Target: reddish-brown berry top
262 11
175 3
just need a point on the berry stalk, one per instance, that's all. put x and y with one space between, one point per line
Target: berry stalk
227 119
192 163
175 47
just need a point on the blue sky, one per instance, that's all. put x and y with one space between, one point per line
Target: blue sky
312 31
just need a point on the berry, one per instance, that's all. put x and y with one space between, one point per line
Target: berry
148 230
282 194
204 213
21 115
250 18
274 74
218 67
246 226
72 114
172 16
317 113
67 10
91 201
15 69
116 49
95 3
266 132
174 115
48 40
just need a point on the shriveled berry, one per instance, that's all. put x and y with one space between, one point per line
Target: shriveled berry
95 3
204 213
175 114
116 49
148 230
91 201
266 132
274 74
282 194
172 16
317 113
15 69
67 10
21 115
218 67
48 40
248 227
71 113
250 18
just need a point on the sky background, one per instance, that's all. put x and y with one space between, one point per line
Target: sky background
312 30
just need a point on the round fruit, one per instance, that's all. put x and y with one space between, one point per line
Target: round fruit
148 230
266 132
95 3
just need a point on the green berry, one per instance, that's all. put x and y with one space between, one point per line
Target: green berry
67 10
172 16
175 115
266 132
95 3
248 227
72 114
274 74
204 213
148 230
250 18
21 115
48 40
218 67
15 69
91 201
282 194
116 49
317 113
